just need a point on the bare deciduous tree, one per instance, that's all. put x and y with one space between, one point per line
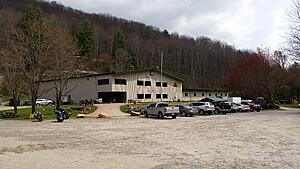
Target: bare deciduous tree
293 37
13 80
64 64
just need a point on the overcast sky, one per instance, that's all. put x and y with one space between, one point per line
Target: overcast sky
246 24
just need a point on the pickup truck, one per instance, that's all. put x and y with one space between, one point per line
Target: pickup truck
161 110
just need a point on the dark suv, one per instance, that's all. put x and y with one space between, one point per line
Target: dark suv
222 107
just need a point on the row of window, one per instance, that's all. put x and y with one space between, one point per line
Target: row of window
148 83
195 94
124 82
149 96
117 81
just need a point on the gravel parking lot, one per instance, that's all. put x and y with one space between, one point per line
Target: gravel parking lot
268 139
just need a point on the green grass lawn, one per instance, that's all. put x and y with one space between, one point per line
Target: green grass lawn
124 108
48 112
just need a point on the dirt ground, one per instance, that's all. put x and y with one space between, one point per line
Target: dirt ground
113 110
268 139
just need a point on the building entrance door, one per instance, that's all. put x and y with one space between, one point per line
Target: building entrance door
112 97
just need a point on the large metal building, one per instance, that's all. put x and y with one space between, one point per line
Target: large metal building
142 86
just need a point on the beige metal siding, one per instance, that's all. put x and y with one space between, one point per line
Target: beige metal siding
88 88
199 96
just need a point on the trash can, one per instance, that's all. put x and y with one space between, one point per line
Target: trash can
0 100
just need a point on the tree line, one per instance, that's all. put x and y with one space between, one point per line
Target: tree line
59 41
201 61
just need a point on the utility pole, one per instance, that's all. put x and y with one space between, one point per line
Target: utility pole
161 69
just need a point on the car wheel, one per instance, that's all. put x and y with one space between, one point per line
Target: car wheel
217 111
174 117
258 110
183 114
201 112
240 110
251 110
160 115
38 105
146 114
49 104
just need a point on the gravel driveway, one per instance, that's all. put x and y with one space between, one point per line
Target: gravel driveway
268 139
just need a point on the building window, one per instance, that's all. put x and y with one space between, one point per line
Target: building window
165 84
216 94
186 94
165 96
147 83
209 94
202 94
140 83
121 81
195 94
158 84
226 94
147 96
158 96
140 96
221 94
103 82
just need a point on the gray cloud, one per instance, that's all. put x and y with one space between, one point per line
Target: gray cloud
245 24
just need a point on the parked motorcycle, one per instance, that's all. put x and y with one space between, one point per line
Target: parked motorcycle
59 115
39 117
62 114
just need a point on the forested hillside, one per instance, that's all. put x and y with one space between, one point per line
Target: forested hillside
203 62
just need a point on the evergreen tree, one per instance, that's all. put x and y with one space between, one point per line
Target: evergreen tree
123 58
84 34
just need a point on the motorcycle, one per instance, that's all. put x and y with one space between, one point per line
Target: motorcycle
39 117
66 113
59 115
62 114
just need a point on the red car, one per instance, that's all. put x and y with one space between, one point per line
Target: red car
253 106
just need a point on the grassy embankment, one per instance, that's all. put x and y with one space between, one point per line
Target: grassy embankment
290 105
48 112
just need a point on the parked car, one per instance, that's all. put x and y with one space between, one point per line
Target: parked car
161 110
44 102
222 107
186 110
98 101
253 106
239 107
271 105
266 104
203 108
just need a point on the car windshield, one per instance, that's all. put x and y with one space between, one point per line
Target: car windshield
162 105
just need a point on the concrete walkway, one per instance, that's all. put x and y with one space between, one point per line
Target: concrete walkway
113 110
3 107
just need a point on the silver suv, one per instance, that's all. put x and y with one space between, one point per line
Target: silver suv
203 107
44 102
